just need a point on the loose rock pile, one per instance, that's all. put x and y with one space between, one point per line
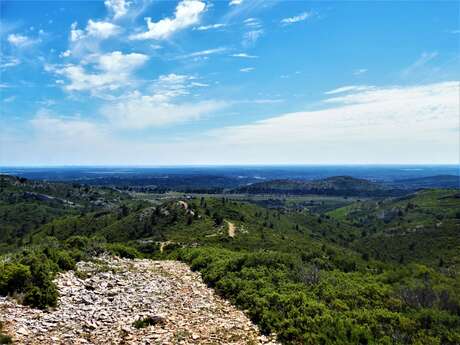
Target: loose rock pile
101 302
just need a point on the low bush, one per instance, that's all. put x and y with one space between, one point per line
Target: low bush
4 339
122 250
148 321
304 304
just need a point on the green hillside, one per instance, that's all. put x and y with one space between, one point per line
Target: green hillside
423 227
337 185
310 278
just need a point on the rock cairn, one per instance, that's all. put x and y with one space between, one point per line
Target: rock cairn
101 302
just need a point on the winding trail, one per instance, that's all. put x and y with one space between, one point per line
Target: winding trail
231 229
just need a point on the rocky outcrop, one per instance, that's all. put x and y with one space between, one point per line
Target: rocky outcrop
101 302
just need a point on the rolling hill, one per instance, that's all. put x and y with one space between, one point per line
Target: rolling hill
337 185
310 278
437 181
422 227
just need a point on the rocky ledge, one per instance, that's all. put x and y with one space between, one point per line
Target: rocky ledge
121 301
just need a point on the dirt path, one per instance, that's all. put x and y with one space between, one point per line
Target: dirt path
101 306
163 244
231 229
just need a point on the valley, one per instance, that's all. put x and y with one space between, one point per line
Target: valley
308 268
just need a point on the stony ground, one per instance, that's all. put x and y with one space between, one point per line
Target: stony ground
100 303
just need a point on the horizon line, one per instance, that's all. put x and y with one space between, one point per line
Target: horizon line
204 165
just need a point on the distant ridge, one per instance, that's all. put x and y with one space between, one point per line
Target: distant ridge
336 185
437 181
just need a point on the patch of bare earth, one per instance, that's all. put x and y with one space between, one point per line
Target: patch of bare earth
231 229
100 303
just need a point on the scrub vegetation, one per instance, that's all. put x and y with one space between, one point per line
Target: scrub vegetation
380 270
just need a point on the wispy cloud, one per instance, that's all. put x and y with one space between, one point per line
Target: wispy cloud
65 54
246 8
187 14
88 40
423 60
235 2
360 71
94 29
113 71
252 23
160 107
8 61
203 53
251 37
245 56
367 126
247 69
348 88
118 8
299 18
21 41
210 27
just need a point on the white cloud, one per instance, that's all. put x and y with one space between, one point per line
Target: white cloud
411 124
100 30
424 59
394 124
348 88
160 107
62 128
194 83
20 41
88 40
205 52
170 86
187 14
301 17
144 112
119 8
251 37
247 69
359 71
245 56
64 54
235 2
53 137
113 71
253 23
210 27
75 33
8 62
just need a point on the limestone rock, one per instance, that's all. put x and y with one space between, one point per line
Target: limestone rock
102 308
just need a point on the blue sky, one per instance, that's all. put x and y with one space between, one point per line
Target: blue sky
229 82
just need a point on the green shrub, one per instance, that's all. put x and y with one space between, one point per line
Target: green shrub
14 278
41 296
4 339
148 321
123 251
77 242
32 276
306 305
